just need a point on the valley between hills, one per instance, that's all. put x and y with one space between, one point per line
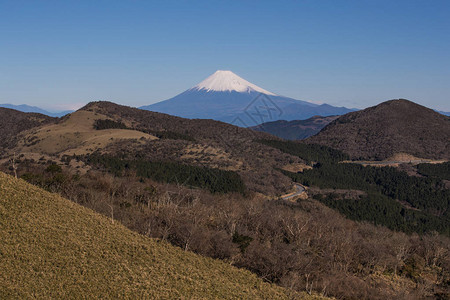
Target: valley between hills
192 202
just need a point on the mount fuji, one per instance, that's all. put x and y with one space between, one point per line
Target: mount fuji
224 96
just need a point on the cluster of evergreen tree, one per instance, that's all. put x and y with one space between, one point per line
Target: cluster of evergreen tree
170 135
386 189
109 124
215 180
382 210
435 170
385 186
308 152
422 193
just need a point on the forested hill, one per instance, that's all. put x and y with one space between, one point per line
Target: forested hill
197 128
198 142
134 134
390 196
211 188
297 129
391 127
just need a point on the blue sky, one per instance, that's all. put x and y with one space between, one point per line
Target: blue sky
62 54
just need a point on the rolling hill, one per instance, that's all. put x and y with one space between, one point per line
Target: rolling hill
155 136
211 188
53 248
13 122
297 129
395 126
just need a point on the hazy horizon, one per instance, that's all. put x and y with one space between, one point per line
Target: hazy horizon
60 55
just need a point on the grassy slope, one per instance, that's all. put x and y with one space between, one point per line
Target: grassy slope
53 248
76 135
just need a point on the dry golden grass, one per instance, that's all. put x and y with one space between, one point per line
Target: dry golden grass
296 167
406 158
76 135
396 160
211 156
53 248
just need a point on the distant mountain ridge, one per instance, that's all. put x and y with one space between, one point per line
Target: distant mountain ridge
297 129
226 97
446 113
35 109
395 126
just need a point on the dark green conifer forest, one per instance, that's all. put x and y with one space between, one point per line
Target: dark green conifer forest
392 197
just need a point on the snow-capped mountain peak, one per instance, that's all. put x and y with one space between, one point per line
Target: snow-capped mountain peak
227 81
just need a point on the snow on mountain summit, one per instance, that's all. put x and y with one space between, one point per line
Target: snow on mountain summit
226 97
227 81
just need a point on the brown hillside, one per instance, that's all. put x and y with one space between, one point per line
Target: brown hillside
13 122
75 134
391 127
195 142
214 144
52 248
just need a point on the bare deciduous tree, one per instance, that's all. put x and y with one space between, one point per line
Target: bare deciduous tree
14 164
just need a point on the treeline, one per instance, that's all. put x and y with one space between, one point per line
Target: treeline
386 188
111 124
382 210
422 193
308 152
172 135
214 180
108 124
427 196
435 170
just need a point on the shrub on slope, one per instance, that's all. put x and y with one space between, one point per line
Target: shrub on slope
53 248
